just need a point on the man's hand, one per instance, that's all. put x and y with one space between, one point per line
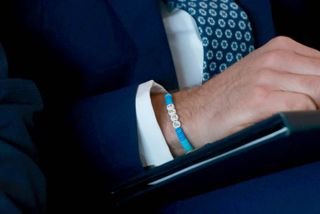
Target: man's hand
283 75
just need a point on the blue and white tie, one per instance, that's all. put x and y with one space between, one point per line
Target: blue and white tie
224 29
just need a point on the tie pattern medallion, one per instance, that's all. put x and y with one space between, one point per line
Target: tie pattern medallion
224 29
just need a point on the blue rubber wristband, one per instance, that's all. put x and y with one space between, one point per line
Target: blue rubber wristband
177 124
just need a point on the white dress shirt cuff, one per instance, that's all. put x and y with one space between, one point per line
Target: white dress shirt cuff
153 148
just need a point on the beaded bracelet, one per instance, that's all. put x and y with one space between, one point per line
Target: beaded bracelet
177 124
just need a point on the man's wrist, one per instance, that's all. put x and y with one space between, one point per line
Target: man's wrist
159 107
184 105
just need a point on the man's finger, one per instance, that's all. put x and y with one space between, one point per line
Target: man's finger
309 85
292 62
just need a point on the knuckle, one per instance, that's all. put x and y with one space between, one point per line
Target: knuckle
271 58
281 41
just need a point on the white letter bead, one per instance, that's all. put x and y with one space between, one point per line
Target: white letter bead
172 111
170 106
174 117
176 124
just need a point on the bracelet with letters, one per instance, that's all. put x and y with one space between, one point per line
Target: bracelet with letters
177 124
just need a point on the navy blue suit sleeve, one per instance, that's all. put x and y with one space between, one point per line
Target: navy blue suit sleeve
88 58
105 126
22 184
98 59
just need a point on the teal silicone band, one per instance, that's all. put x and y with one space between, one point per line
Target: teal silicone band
177 124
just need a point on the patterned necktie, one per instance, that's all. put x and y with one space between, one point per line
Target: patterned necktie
224 29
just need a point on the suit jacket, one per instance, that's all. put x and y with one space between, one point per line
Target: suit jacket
94 54
22 184
88 59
